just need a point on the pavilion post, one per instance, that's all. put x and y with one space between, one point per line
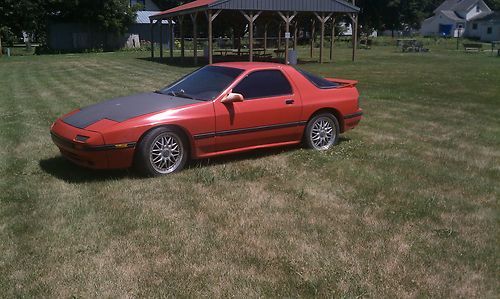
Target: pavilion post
288 19
322 40
323 20
194 16
251 17
152 39
287 37
181 33
313 33
279 36
295 35
210 18
265 38
161 39
332 42
354 19
171 39
210 38
250 37
355 37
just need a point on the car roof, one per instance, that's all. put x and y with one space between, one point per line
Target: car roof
250 65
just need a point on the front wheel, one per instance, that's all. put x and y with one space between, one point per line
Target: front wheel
322 132
162 151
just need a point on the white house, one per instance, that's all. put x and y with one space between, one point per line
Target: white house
486 28
142 25
453 15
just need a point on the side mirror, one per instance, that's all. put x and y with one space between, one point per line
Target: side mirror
233 98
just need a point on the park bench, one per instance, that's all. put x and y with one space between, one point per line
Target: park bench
473 47
494 45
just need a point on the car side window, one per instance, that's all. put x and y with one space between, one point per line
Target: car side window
264 84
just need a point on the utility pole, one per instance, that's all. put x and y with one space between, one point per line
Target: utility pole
355 18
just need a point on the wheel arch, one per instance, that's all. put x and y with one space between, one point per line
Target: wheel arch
333 111
180 129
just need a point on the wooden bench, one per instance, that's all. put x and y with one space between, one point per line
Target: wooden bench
473 47
494 45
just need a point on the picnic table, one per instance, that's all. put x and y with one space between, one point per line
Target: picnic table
226 52
411 45
473 47
223 52
280 53
401 42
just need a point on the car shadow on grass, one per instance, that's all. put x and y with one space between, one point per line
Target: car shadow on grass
62 169
239 157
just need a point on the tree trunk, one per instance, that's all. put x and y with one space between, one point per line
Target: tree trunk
1 50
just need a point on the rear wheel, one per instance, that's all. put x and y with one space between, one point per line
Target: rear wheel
322 132
162 151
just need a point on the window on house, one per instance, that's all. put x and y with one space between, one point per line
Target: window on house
478 9
474 26
490 30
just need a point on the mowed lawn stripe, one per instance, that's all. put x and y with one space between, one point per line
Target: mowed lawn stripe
402 207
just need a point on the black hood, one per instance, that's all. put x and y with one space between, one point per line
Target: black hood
121 109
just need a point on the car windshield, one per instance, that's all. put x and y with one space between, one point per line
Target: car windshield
204 84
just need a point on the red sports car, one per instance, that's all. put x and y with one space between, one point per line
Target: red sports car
219 109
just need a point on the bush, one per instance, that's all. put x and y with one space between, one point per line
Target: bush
8 37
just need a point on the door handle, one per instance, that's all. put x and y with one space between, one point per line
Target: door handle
289 102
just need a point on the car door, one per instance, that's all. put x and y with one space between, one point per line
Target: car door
270 112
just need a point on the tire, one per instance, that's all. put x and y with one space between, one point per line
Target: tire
322 132
161 151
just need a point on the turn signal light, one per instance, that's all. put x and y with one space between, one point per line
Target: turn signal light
81 138
124 145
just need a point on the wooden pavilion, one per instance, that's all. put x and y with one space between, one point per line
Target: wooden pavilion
287 10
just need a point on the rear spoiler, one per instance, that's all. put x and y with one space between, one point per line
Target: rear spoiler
343 82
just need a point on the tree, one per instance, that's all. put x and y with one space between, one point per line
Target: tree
109 15
167 4
493 4
370 18
32 16
17 16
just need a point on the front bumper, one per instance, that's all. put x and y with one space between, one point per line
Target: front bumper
92 152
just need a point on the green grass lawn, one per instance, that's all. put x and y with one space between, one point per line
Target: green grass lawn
405 206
